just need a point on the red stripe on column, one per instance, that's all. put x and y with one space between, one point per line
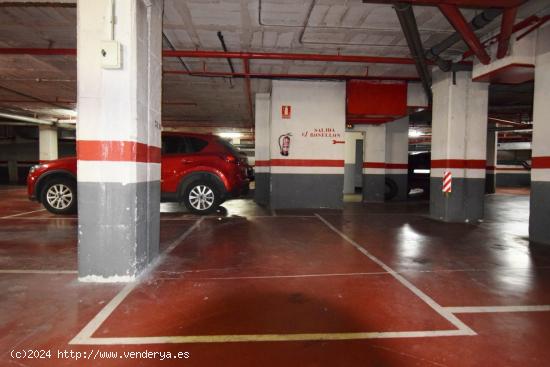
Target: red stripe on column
259 163
385 165
119 151
541 162
307 163
459 163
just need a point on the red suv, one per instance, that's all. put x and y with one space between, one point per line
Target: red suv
202 171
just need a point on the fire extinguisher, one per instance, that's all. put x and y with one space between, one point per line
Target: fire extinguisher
284 143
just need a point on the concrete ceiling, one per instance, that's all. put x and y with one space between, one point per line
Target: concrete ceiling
308 26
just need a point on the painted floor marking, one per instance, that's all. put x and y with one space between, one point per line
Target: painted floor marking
423 296
265 337
276 276
30 271
17 215
495 309
85 335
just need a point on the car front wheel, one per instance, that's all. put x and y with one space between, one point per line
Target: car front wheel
201 197
59 196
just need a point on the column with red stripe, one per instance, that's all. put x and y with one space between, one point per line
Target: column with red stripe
458 152
539 218
118 138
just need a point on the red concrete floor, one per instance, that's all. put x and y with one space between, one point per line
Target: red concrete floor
376 285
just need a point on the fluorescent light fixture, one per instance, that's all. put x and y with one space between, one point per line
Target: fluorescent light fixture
230 135
414 133
421 171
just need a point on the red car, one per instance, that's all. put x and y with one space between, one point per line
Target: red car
202 171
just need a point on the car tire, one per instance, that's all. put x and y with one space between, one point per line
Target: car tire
391 189
59 196
201 197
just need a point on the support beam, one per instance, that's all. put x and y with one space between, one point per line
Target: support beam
455 17
385 164
459 138
118 141
47 141
491 164
506 29
539 218
262 154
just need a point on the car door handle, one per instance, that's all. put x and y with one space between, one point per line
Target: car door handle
186 161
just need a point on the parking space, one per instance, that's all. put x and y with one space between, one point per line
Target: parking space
289 287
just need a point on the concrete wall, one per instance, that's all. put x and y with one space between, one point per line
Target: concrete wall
312 174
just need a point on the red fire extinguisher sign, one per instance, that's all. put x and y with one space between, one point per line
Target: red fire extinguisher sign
286 112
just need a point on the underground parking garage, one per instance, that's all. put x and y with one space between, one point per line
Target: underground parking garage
272 182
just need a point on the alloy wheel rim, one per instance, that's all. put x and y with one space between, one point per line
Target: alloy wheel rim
201 197
59 196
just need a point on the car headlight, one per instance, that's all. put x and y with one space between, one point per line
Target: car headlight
34 168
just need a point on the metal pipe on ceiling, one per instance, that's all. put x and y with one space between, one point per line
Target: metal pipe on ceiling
506 29
224 47
459 3
248 90
167 40
289 56
34 98
478 22
26 119
406 17
240 55
224 74
455 17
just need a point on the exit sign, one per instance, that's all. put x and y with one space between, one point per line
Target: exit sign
286 112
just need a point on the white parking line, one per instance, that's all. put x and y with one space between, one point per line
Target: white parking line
85 335
423 296
30 271
295 276
495 309
140 340
17 215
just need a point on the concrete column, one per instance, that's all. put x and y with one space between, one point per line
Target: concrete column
459 139
262 152
349 161
490 174
397 156
119 137
539 219
47 141
374 166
